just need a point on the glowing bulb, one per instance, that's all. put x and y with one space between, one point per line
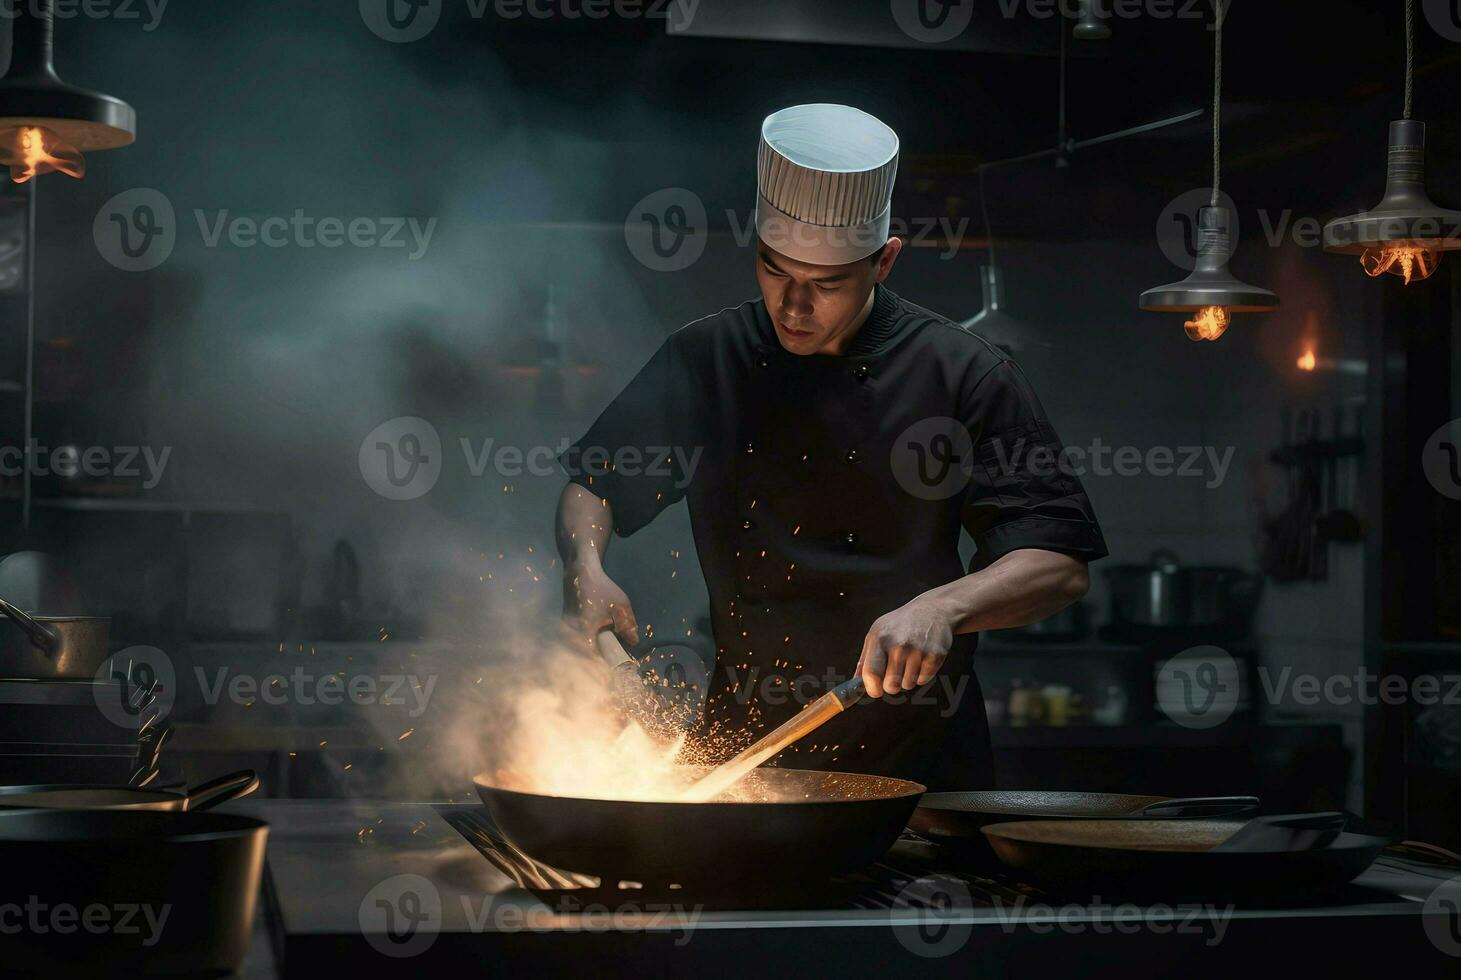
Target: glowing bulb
1210 323
1307 360
1411 260
30 151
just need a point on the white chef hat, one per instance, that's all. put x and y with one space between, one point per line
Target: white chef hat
826 183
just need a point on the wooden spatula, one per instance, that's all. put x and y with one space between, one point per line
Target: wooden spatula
808 720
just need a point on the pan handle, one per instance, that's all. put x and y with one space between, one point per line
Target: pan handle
207 795
1200 806
44 639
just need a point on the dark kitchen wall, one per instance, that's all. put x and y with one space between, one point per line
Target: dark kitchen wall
523 146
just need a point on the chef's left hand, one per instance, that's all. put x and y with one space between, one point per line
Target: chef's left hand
905 648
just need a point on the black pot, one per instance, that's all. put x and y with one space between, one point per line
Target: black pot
93 878
51 647
1165 594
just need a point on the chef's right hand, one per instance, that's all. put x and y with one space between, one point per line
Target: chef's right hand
593 601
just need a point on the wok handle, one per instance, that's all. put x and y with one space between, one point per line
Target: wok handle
611 649
208 795
44 639
1200 806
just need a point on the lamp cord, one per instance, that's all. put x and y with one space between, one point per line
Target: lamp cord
984 210
1217 102
1409 55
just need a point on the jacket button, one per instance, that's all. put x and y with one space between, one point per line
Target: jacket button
860 372
765 361
850 538
748 525
750 448
853 456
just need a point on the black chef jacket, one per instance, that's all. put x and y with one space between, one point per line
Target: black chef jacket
825 491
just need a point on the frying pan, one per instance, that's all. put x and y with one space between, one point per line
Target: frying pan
830 823
107 868
956 819
1172 858
64 797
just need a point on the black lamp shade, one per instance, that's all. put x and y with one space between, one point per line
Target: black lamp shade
1406 213
1210 284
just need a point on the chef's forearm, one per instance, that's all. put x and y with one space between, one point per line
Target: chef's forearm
1019 588
585 524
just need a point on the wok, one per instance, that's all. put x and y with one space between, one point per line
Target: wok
829 823
1172 858
955 820
70 797
94 876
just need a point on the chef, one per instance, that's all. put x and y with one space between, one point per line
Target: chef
833 441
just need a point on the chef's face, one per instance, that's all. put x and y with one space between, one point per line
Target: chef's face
817 308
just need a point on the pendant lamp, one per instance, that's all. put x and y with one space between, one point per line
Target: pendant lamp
1211 293
1405 234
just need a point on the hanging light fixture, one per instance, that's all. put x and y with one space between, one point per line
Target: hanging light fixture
1211 293
1405 234
994 323
45 124
1090 24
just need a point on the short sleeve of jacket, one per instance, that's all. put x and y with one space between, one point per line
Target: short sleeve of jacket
1022 493
634 455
